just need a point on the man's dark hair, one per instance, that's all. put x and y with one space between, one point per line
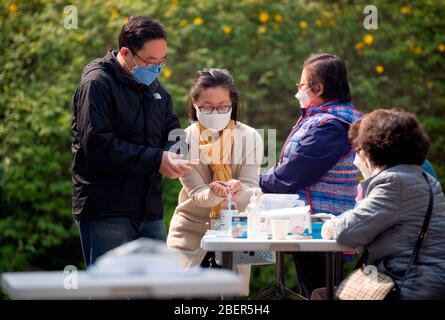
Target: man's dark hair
213 78
392 137
329 70
138 30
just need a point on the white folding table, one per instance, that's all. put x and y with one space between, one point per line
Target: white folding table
332 249
201 283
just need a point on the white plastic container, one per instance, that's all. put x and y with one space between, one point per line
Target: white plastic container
299 219
272 201
261 226
225 217
280 228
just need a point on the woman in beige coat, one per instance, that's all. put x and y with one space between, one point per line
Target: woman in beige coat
228 151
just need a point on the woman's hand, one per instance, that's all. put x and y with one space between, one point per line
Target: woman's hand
236 187
219 189
328 229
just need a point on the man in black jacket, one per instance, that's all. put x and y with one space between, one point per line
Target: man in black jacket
122 118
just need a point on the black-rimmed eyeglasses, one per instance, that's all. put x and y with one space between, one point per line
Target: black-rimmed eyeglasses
219 109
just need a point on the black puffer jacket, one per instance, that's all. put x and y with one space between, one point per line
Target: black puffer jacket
119 129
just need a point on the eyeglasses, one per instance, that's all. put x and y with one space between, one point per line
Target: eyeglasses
161 64
219 109
299 85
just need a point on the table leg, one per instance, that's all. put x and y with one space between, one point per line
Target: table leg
227 263
278 289
329 276
280 271
338 265
227 260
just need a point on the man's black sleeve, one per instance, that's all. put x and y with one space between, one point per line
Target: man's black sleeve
104 151
171 123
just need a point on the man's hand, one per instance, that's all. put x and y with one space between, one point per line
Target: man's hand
218 188
172 165
236 187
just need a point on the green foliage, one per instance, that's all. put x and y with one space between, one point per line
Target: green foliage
263 43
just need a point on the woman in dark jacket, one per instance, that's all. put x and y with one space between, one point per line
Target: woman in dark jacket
316 161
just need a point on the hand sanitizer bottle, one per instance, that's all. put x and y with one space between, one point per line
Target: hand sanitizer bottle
228 209
251 211
256 222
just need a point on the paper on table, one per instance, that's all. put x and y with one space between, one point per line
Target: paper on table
218 233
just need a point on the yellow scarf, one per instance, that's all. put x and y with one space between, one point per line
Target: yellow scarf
220 166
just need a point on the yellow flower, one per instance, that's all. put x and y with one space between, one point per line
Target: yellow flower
125 20
166 73
418 50
114 14
227 29
278 17
264 17
198 21
262 29
22 29
327 14
318 22
359 45
304 25
368 39
183 23
12 8
379 69
429 85
81 38
405 9
441 47
175 2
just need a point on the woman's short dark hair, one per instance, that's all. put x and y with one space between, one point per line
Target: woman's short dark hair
392 137
138 30
329 70
213 78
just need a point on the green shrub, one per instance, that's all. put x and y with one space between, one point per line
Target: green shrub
263 43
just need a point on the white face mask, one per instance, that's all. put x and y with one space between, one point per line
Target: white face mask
303 97
366 172
214 121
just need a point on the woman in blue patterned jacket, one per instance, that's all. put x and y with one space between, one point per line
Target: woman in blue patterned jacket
316 161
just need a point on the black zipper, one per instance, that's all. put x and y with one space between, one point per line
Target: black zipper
141 106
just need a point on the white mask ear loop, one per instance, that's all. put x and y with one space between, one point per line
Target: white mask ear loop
313 86
134 61
369 166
